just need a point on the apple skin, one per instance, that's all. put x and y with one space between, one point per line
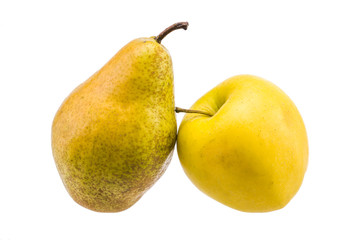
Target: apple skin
252 153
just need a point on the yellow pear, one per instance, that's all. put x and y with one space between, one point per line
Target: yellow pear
244 144
114 135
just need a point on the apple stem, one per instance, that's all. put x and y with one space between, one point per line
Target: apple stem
178 110
170 29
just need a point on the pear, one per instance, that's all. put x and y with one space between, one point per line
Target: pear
244 144
113 136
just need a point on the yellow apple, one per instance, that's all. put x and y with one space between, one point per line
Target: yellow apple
247 145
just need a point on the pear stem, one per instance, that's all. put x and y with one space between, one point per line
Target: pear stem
170 29
178 110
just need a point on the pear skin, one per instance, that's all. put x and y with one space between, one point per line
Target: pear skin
113 136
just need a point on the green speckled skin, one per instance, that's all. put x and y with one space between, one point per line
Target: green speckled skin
113 136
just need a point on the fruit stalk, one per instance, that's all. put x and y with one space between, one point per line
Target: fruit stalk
179 25
178 110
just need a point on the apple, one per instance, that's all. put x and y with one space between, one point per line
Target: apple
245 145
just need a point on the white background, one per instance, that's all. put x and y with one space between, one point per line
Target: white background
310 49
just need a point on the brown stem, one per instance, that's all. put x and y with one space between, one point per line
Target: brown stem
170 29
178 110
